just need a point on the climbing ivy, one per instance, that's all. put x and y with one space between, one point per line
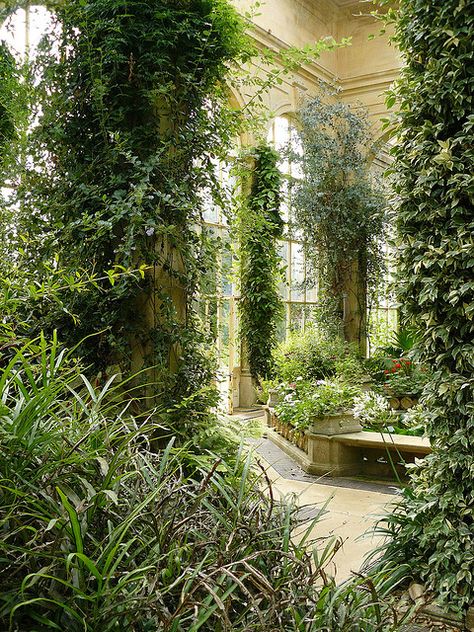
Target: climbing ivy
433 529
7 88
133 115
338 206
259 226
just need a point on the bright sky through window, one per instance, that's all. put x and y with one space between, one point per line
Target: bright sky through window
18 31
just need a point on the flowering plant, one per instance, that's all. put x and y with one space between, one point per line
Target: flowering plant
405 378
373 410
303 401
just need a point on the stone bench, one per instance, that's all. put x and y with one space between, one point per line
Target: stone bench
370 454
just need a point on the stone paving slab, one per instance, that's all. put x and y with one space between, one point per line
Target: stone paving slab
290 470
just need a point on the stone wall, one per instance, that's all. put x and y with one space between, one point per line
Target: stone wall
363 70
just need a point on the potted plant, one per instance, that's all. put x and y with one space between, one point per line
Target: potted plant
321 407
404 383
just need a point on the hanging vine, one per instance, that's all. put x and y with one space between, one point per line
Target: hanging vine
338 206
131 115
7 83
259 227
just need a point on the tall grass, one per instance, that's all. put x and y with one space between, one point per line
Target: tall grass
100 532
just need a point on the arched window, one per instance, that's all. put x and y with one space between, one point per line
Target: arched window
300 297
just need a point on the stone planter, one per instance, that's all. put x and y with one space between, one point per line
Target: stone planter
341 423
273 397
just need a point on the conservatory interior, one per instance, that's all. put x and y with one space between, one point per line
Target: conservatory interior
236 315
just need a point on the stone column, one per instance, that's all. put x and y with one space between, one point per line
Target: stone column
355 306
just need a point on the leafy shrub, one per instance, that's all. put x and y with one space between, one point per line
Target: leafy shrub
311 355
102 532
338 206
303 401
263 389
351 369
433 528
399 380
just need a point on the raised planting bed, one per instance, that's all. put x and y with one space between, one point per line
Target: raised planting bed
376 455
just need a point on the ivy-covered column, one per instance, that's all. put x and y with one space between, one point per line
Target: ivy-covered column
134 115
433 530
340 211
260 307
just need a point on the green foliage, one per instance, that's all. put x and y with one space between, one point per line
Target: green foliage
434 161
7 84
406 378
380 328
374 413
339 208
312 355
401 343
304 401
259 226
100 532
22 295
133 113
351 368
263 389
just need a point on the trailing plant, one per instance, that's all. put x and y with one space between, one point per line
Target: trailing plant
433 529
8 82
22 295
131 114
338 207
259 226
100 532
11 115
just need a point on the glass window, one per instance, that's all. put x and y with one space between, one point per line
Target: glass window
300 300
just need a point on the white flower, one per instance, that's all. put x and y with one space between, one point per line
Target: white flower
371 407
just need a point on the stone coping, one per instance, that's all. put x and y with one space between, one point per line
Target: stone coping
404 443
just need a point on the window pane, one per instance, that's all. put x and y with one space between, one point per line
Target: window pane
283 252
297 272
16 31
